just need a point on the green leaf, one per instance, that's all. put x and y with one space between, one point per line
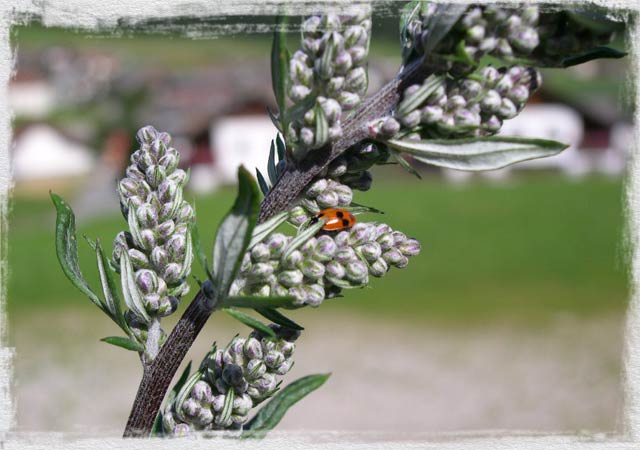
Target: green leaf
188 256
322 127
132 296
280 146
264 186
302 237
413 101
404 163
158 429
444 18
270 415
408 13
356 208
274 119
264 229
595 21
278 318
67 249
271 164
250 322
109 290
254 301
299 109
279 64
184 392
234 233
484 153
124 342
132 221
228 406
594 53
200 255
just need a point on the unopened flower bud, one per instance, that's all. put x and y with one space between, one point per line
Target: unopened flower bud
378 268
410 247
290 278
328 199
138 259
172 272
202 392
159 258
314 295
356 271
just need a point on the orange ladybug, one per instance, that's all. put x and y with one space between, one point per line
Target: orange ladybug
337 219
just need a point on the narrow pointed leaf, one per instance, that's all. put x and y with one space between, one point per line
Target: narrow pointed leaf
228 406
179 384
197 245
158 429
188 256
416 99
275 120
280 147
322 127
234 233
404 163
595 21
271 164
124 342
132 221
486 153
264 186
67 249
594 53
279 63
130 292
250 322
302 237
264 229
441 22
278 318
356 209
254 301
109 290
184 393
270 415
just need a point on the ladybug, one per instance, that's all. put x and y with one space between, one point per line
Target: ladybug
337 219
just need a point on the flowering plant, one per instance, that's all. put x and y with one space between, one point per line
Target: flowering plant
465 70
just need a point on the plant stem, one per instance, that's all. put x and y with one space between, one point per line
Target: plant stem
158 375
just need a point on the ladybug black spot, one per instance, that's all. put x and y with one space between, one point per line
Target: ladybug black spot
340 214
345 223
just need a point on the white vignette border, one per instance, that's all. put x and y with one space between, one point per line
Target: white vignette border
104 15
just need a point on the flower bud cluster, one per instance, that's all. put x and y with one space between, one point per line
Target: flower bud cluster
481 30
505 33
332 64
158 239
324 264
321 194
351 168
475 105
249 367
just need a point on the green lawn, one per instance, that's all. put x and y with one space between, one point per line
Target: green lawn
529 249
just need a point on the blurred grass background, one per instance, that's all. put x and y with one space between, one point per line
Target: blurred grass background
525 250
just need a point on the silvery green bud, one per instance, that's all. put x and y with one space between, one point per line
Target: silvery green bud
343 62
167 191
507 109
475 34
491 101
266 383
169 162
356 271
242 404
393 256
378 268
344 255
431 114
175 247
179 176
253 349
256 367
335 85
138 259
411 120
325 248
147 281
159 258
390 127
147 216
525 39
205 417
171 273
284 367
465 118
356 80
314 294
165 229
191 407
328 199
348 100
185 213
260 253
298 215
312 269
260 271
202 392
360 233
152 302
299 92
358 54
316 188
276 243
293 260
273 359
290 278
492 124
335 270
370 250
